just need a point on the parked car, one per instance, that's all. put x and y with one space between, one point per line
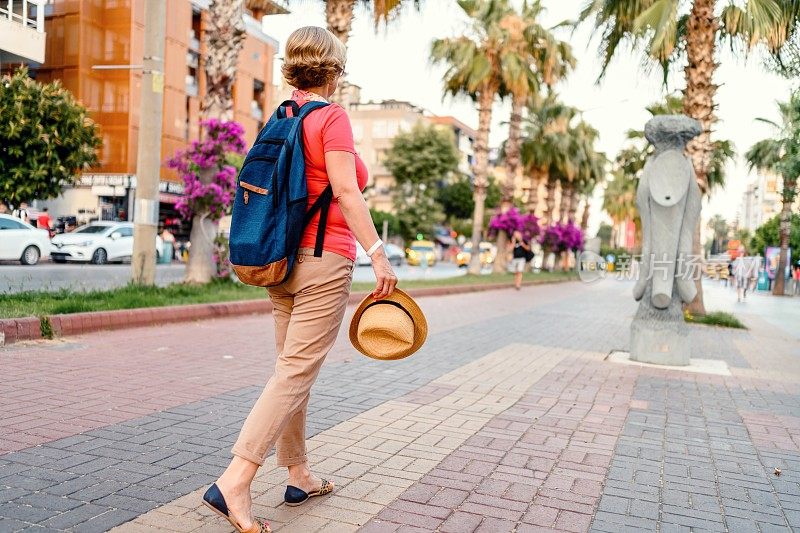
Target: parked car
488 253
394 253
421 252
19 241
98 243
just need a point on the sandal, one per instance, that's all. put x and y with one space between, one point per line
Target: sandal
295 496
214 500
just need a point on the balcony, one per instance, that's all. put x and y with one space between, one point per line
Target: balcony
22 36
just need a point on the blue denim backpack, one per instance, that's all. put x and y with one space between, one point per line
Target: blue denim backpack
270 210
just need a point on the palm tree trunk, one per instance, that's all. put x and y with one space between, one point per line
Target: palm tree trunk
785 228
513 148
485 101
550 201
512 167
339 17
698 103
585 215
224 40
200 266
572 210
563 208
536 178
224 36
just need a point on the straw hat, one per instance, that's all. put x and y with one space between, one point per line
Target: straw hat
388 329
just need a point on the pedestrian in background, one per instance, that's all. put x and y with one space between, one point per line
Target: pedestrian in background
521 248
3 208
309 306
21 212
169 244
796 278
44 222
744 269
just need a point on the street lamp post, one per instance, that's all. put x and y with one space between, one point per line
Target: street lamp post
148 158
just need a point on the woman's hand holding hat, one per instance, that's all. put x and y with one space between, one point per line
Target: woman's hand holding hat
386 280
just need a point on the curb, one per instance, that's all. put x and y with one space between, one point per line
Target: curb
30 328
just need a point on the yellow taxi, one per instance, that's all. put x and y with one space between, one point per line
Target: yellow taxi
421 252
488 253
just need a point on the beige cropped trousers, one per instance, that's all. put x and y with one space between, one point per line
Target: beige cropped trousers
308 310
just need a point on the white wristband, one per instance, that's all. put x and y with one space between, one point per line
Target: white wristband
374 247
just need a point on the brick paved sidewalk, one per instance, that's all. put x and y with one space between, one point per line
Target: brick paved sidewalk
509 419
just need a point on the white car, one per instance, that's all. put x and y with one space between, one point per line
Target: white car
98 243
22 242
394 253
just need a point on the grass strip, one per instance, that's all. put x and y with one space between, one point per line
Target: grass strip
715 318
43 303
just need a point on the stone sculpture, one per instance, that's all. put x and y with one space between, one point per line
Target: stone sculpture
668 199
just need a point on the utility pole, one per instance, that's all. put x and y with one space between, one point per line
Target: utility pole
148 158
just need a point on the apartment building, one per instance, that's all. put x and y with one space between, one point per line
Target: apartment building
761 201
375 124
22 32
94 49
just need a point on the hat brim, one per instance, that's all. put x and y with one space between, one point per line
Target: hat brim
410 306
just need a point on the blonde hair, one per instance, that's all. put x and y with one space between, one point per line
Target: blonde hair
314 57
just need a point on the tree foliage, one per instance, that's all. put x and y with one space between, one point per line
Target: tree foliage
768 234
456 198
47 138
378 217
420 160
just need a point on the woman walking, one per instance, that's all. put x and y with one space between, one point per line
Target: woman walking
741 272
310 305
521 249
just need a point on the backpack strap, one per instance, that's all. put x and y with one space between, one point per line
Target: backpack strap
281 111
322 205
308 107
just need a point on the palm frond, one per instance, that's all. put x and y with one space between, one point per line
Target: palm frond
661 21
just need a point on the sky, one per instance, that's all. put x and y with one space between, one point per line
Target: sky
393 63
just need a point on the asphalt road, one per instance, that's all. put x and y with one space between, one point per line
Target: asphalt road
49 276
84 277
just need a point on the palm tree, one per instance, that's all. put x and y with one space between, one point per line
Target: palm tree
339 14
781 154
591 168
533 56
719 227
619 201
473 64
339 18
224 38
668 34
544 144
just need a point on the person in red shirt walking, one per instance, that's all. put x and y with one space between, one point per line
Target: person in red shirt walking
44 222
309 306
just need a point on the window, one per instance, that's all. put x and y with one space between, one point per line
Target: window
379 129
93 228
391 128
257 104
7 223
125 231
358 131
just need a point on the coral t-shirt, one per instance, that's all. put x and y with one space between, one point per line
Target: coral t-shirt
328 130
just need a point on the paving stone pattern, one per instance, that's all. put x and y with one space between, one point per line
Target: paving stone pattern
509 419
687 461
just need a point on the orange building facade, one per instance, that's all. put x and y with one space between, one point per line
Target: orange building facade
91 45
